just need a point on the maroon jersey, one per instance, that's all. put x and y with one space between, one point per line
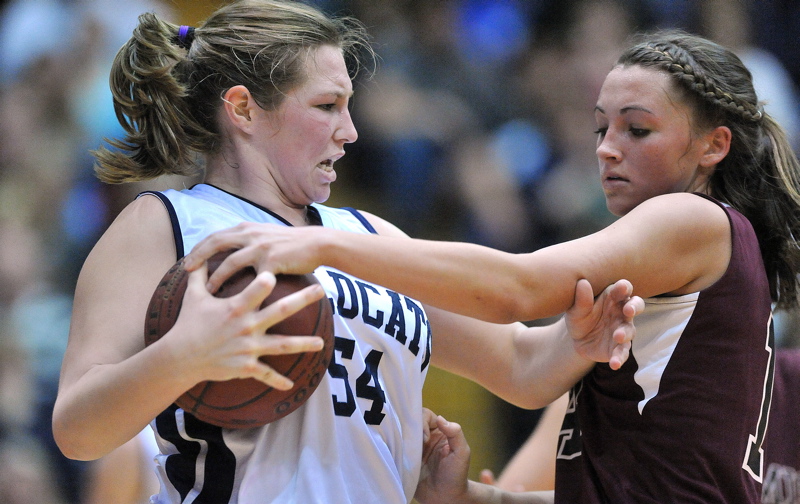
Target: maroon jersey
683 420
782 445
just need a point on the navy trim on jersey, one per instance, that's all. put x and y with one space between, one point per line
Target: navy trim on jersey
313 214
220 462
358 215
173 217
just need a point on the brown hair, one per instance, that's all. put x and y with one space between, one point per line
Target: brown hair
760 176
167 97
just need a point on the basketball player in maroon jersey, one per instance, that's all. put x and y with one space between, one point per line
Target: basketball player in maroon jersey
707 190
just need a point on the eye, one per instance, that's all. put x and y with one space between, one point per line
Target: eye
328 107
601 131
639 132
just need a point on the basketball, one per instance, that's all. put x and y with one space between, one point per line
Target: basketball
245 403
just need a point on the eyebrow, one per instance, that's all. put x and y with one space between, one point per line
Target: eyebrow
625 110
338 94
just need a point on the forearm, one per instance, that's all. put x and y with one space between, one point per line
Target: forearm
547 364
111 403
479 493
527 366
463 278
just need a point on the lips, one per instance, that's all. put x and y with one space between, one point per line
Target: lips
613 181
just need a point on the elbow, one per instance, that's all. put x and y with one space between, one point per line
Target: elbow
73 449
65 442
69 441
513 306
498 307
526 400
516 301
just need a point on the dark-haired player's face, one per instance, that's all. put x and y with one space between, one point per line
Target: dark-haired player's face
645 143
305 136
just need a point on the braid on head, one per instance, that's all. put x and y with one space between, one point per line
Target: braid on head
677 61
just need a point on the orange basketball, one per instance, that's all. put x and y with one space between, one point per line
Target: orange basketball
244 403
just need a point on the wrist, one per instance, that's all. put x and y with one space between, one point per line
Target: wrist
570 344
326 248
480 493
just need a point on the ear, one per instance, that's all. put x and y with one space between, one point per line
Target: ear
718 144
238 105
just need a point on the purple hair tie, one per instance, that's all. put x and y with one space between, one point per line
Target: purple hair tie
185 36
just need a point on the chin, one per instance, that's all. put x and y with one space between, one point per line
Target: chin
323 196
618 208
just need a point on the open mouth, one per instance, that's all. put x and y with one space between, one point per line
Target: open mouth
326 165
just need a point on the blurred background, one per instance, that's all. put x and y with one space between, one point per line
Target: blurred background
477 127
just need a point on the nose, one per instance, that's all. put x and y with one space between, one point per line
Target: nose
346 130
606 151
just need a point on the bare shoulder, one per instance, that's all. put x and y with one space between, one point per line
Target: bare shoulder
681 218
669 244
140 240
382 226
143 225
146 211
685 207
689 232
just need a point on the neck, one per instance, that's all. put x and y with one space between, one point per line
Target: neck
266 198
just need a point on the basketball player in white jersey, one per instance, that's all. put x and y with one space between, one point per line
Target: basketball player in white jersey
261 90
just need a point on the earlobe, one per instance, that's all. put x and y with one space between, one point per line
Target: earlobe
237 104
718 146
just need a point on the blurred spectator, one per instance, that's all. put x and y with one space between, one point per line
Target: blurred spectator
55 104
777 25
524 176
27 474
729 23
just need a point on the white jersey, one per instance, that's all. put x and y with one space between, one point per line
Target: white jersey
357 440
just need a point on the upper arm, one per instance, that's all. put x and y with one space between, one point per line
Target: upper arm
114 288
671 244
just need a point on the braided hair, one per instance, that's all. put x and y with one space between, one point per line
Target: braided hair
760 176
168 80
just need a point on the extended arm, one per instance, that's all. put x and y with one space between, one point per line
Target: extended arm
507 359
676 243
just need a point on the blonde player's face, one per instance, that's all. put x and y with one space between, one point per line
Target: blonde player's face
305 136
645 144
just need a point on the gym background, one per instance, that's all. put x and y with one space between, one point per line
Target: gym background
477 127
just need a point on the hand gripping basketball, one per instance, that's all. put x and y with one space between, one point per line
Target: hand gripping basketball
245 403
